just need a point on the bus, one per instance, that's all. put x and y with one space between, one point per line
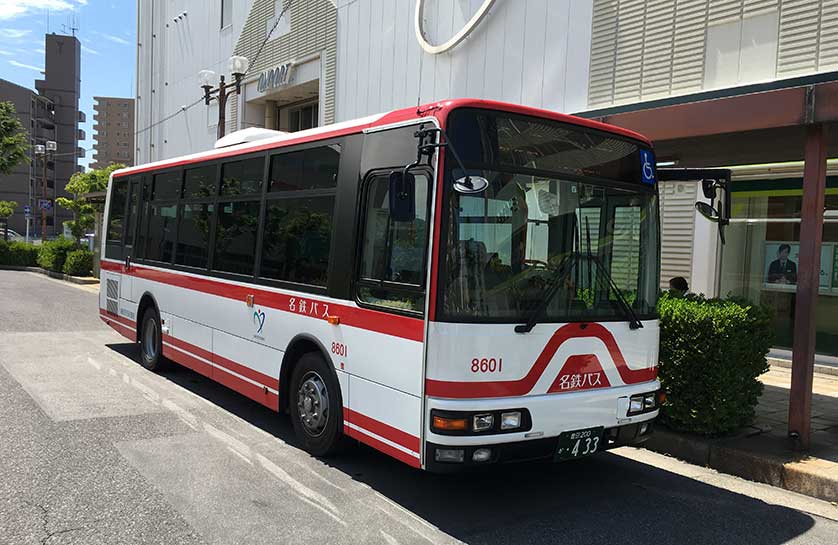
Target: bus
462 284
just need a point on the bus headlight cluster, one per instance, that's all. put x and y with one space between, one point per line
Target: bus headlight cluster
642 403
466 423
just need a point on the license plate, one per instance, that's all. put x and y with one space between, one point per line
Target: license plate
579 443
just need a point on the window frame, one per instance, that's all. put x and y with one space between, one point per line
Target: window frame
114 246
263 197
358 281
268 195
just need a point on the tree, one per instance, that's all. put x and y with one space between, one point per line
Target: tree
14 142
79 185
7 208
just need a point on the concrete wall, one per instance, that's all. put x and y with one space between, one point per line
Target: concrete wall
532 52
172 48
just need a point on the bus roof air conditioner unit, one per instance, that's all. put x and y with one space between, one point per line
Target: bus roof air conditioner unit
243 136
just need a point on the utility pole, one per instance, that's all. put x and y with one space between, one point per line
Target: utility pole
43 151
238 67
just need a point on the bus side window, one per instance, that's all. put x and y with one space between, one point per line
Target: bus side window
393 253
116 219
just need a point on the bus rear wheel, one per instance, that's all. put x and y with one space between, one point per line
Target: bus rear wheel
151 341
316 406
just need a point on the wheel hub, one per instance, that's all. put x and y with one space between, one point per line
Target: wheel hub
150 339
313 404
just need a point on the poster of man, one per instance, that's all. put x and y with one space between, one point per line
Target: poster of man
782 270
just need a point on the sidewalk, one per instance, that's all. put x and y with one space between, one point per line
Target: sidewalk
762 452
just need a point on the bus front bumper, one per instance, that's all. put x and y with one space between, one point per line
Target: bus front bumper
534 450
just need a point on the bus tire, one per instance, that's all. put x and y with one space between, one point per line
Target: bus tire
151 341
315 405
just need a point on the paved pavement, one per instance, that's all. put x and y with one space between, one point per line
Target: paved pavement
95 449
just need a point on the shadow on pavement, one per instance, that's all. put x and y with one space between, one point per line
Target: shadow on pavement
603 499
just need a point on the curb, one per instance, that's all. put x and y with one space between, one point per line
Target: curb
810 476
819 368
84 280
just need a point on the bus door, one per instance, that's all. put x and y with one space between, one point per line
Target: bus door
132 209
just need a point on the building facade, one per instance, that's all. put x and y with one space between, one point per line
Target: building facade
176 39
51 113
113 121
630 62
25 183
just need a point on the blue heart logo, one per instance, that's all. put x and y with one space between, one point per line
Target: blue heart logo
259 316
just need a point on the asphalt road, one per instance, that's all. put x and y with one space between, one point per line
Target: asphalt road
94 449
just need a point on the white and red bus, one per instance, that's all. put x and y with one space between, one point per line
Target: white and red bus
462 284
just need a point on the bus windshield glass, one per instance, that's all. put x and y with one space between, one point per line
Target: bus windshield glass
567 228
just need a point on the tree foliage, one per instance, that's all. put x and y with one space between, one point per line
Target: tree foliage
80 184
14 141
7 208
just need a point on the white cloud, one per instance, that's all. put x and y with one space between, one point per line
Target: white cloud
9 9
27 66
6 53
13 33
86 49
112 38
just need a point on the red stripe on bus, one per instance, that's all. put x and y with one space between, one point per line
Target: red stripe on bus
121 319
510 388
248 389
188 360
119 328
371 320
221 361
382 446
386 431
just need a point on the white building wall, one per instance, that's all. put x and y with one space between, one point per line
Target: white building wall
177 39
532 52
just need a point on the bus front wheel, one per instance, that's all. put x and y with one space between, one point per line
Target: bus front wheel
316 406
151 341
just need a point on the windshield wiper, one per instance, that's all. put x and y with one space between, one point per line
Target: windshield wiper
628 312
555 282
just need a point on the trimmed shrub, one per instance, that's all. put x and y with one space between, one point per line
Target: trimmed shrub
18 254
52 254
79 263
711 353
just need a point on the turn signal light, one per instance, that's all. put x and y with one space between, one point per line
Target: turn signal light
334 320
449 424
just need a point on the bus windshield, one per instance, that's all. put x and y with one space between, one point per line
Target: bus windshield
566 227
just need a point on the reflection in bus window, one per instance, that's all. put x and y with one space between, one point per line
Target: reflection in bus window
160 233
297 239
235 237
193 234
394 251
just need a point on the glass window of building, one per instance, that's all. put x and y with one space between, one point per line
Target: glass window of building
760 259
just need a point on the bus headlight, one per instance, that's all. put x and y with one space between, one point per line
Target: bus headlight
482 422
510 420
642 403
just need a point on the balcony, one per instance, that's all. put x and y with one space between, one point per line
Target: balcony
81 134
82 117
80 152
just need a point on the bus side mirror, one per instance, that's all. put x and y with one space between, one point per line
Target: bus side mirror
402 196
708 211
712 215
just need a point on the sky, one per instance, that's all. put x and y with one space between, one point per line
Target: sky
106 29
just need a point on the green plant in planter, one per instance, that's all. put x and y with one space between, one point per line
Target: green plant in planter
712 352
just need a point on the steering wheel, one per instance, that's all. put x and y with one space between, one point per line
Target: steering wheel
536 263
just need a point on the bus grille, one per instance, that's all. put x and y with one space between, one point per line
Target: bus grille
112 289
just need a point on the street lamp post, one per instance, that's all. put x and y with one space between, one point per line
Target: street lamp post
238 67
44 151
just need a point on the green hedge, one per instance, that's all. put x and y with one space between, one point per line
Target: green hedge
52 254
18 254
79 263
711 353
